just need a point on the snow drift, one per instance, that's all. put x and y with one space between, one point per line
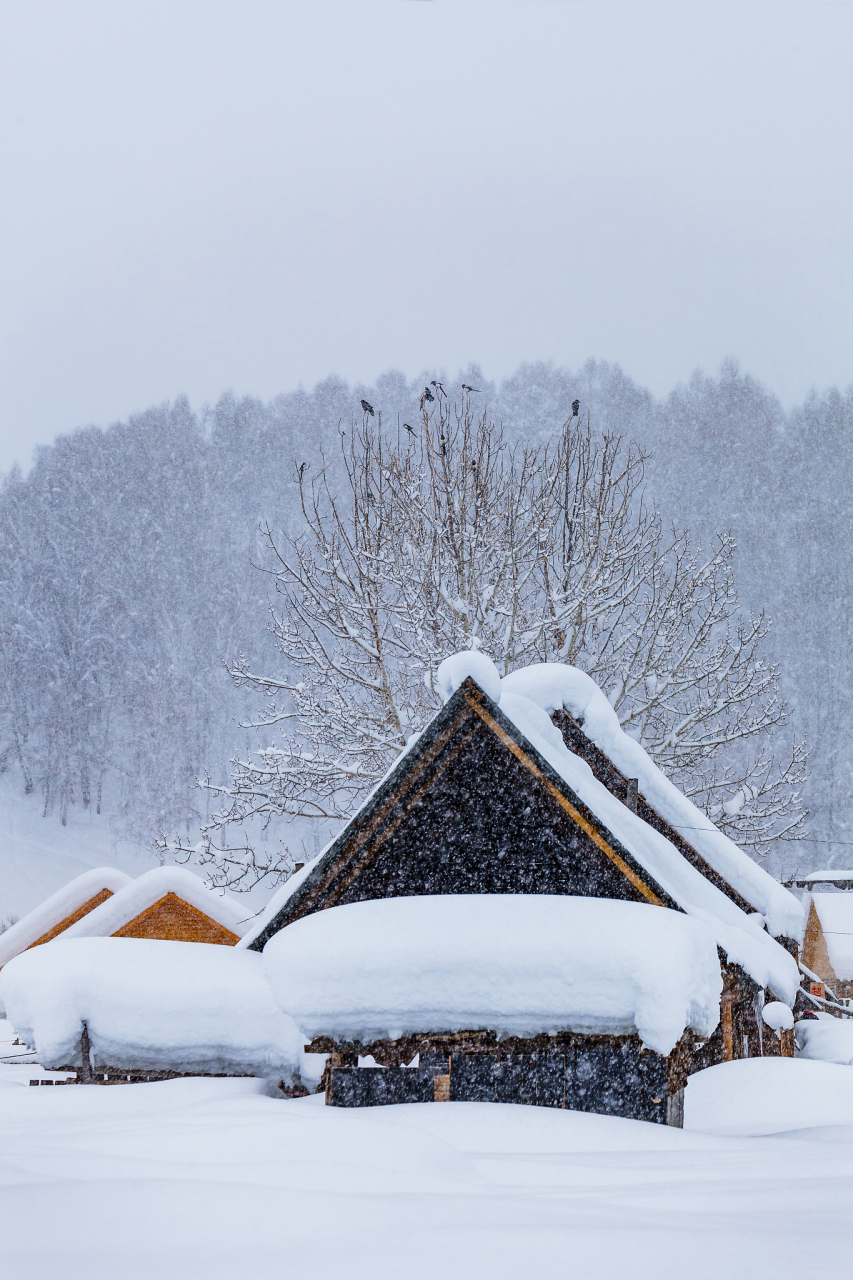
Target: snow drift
517 964
148 1004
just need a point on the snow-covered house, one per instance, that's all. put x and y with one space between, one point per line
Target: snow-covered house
592 979
61 910
828 942
168 903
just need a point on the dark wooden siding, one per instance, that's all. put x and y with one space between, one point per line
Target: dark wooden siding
486 826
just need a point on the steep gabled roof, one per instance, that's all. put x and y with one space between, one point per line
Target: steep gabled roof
417 769
61 910
170 891
642 865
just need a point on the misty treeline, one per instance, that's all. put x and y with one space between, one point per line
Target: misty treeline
127 586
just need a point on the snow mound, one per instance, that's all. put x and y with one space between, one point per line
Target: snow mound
517 964
154 1005
827 1039
778 1016
454 670
140 894
768 1095
58 907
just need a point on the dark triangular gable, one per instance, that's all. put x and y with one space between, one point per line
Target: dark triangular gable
472 807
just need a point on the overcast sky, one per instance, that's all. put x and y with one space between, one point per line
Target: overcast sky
248 195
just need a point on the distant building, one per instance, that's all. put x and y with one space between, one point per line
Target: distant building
168 903
828 943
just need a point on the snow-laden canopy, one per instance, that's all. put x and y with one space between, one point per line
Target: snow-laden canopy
517 964
138 895
149 1005
58 907
835 913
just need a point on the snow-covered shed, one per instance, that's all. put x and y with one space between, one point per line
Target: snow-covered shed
167 903
142 1008
527 786
61 910
828 942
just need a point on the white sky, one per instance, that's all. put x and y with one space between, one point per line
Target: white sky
249 195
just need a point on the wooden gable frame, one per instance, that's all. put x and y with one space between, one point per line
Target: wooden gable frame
469 722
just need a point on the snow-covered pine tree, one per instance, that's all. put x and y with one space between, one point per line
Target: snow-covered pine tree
446 537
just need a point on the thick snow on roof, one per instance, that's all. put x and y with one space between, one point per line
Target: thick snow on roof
552 685
828 877
58 907
529 697
835 912
140 894
188 1006
517 964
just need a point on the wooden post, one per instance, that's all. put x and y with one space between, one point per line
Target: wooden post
787 1038
86 1074
441 1088
728 1046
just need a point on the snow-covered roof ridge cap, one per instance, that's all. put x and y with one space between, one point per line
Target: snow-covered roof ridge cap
140 894
58 907
815 877
552 685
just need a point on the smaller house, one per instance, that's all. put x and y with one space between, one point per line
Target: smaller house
170 904
61 910
828 943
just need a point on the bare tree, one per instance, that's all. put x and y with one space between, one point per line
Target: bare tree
448 538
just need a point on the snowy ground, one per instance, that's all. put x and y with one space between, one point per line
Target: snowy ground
211 1178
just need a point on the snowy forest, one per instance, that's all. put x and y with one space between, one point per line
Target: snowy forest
140 606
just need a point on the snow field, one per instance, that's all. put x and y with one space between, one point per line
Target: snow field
211 1179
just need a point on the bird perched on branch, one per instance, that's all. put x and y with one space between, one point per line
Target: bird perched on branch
438 387
576 408
302 467
368 408
410 430
427 395
465 387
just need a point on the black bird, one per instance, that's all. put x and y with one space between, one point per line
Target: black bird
410 430
465 387
302 467
576 406
368 408
438 387
428 394
443 445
